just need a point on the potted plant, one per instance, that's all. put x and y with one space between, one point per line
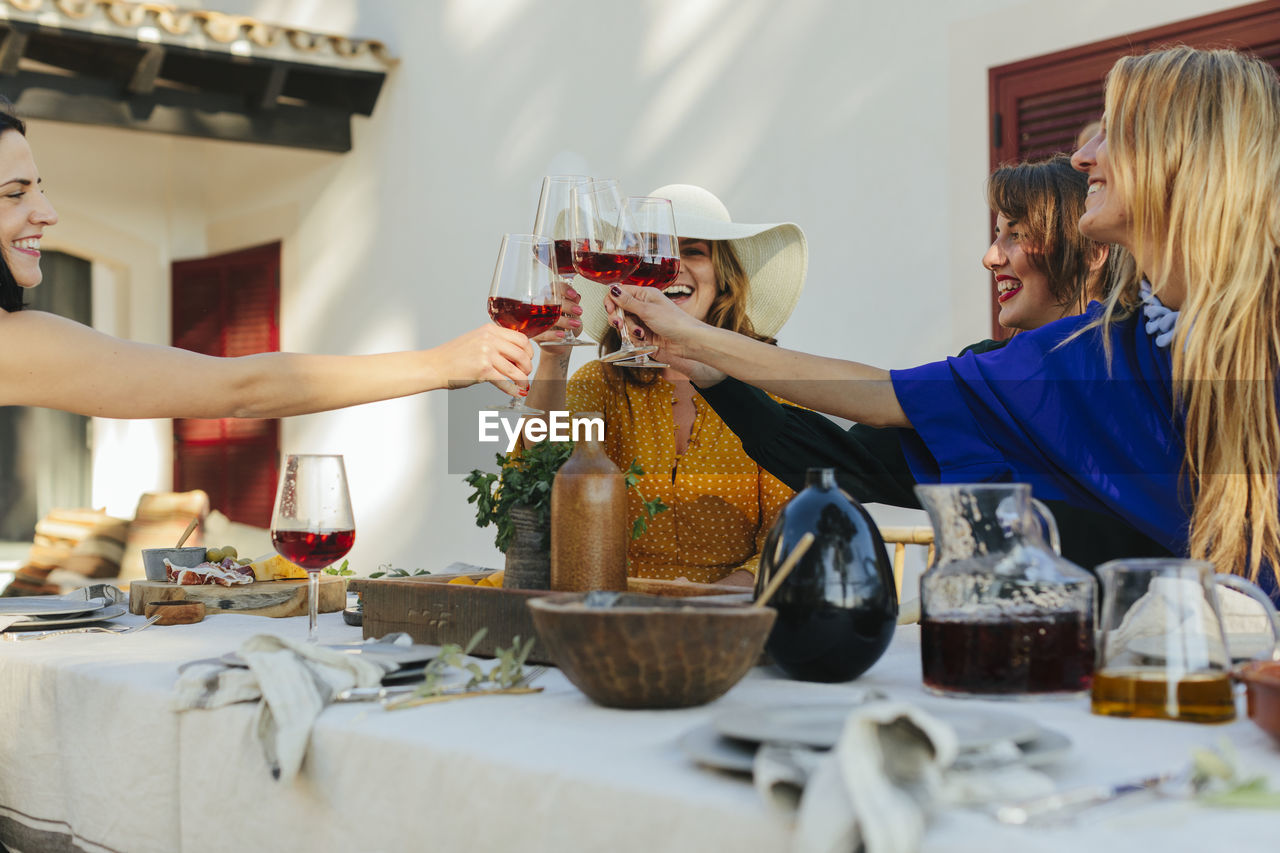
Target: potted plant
517 501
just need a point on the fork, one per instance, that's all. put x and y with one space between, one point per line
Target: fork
402 697
91 629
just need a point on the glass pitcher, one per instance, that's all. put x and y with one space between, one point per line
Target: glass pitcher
1163 651
1001 613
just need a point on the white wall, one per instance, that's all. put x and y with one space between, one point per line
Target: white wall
864 122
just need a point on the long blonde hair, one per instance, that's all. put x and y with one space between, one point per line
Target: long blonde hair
1194 142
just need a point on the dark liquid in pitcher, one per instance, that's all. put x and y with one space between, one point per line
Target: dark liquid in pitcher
1049 653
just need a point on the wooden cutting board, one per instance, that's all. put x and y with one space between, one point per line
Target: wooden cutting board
434 611
264 598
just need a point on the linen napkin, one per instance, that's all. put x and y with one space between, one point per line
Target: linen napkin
891 767
291 680
1175 605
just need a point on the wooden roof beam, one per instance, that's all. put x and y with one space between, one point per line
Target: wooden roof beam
143 81
12 45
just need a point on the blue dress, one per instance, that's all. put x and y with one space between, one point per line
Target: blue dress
1056 417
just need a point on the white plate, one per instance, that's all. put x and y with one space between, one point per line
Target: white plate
48 606
820 725
1049 746
111 611
708 747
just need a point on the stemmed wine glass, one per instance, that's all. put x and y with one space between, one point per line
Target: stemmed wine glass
312 524
655 224
606 248
525 293
554 222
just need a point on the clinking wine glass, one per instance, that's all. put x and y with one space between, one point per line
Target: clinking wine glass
525 292
659 265
312 524
606 248
554 221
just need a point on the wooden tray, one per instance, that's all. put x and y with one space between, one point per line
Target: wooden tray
264 598
433 611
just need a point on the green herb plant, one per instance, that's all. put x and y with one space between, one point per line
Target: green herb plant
385 571
342 571
505 674
526 480
1220 781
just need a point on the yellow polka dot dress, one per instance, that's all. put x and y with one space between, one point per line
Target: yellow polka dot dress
721 502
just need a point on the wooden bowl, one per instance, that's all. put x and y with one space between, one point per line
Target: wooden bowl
648 651
1262 690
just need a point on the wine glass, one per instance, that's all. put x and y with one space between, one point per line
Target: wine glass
525 293
606 248
312 524
655 224
554 223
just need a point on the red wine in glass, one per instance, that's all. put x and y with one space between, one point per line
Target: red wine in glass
605 267
313 550
312 524
654 271
526 318
526 292
564 258
554 221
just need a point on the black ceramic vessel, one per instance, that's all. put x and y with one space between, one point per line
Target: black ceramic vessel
838 607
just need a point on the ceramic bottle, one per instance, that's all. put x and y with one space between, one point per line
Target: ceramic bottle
589 526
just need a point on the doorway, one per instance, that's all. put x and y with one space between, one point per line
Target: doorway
229 305
46 455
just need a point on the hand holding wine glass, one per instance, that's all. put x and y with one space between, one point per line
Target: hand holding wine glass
312 524
525 292
555 222
659 265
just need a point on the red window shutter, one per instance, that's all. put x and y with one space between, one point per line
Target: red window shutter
1039 105
229 305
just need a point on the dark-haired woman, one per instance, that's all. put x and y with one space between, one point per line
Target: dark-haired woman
1044 269
49 361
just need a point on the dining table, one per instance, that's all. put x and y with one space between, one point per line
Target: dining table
93 756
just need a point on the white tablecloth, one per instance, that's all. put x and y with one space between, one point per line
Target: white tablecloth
90 747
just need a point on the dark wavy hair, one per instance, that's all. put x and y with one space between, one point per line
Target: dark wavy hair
1046 198
10 292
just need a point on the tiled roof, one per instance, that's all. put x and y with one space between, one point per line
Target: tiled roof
200 29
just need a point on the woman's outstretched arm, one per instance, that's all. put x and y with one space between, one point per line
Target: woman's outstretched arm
50 361
847 389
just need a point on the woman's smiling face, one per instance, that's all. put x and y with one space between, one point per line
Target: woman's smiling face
1106 216
695 288
24 211
1026 302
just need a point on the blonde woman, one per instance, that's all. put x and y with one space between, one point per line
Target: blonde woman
1158 406
744 280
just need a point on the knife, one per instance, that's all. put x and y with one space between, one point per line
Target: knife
1022 812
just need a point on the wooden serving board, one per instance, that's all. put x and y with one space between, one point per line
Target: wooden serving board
264 598
434 611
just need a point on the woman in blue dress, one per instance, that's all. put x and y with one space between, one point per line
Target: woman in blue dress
1158 405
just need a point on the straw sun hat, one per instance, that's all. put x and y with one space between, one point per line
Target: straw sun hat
774 257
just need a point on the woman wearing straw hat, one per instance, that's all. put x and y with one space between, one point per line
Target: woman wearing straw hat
738 277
